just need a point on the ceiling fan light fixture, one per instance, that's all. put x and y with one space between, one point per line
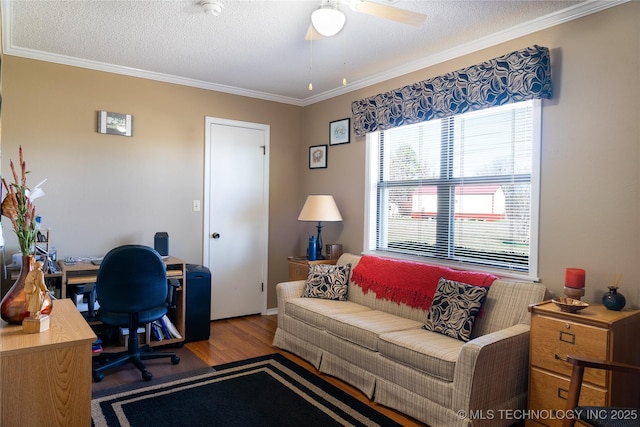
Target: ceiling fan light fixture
328 20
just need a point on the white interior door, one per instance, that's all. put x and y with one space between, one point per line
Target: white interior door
236 216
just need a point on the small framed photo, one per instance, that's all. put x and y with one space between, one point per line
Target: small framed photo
318 156
339 131
115 123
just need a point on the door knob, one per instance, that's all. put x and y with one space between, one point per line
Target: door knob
215 235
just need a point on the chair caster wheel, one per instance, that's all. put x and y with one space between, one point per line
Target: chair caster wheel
97 377
175 360
146 375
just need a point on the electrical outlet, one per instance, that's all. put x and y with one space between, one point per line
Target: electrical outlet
196 205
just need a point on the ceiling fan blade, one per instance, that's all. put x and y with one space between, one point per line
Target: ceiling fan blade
312 34
390 12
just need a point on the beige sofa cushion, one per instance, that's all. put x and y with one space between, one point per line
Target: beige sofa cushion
370 299
506 305
317 312
363 328
426 351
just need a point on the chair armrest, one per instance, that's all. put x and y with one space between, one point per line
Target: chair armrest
286 290
589 362
492 368
577 373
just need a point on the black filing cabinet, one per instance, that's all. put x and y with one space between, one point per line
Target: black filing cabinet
198 307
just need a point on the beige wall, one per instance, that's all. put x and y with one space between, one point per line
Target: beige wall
590 190
590 185
106 190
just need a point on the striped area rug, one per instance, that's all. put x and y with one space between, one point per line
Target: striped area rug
264 391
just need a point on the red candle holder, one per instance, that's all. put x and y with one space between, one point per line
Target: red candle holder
574 278
574 282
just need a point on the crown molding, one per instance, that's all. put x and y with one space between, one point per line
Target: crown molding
583 9
578 11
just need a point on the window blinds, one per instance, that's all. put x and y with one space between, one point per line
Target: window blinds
460 188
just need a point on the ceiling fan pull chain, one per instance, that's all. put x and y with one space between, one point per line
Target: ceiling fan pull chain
311 64
344 57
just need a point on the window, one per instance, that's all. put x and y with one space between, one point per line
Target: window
462 190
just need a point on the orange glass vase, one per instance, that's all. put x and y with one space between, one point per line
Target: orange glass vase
13 307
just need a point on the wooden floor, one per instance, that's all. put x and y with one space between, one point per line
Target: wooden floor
244 337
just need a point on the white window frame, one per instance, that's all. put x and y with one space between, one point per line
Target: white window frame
370 213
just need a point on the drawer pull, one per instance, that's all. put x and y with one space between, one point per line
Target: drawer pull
558 357
567 337
562 393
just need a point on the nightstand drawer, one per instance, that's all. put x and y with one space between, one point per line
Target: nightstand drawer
553 339
298 271
594 332
549 391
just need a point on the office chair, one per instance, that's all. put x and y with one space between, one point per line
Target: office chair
598 416
132 290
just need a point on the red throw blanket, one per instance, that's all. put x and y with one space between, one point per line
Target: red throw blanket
412 283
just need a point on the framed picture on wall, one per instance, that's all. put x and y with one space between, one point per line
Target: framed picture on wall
318 156
339 131
115 123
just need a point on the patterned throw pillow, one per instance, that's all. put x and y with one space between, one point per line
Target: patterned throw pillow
454 309
327 281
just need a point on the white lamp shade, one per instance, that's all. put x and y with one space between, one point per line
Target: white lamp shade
327 20
320 208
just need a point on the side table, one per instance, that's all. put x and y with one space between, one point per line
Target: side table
299 266
593 332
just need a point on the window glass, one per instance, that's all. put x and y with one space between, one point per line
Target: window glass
461 189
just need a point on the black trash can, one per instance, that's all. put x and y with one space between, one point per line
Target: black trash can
198 307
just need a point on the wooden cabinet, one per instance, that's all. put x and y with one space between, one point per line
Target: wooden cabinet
45 377
299 266
86 272
594 332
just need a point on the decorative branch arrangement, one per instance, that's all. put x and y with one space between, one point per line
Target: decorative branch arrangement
616 280
19 208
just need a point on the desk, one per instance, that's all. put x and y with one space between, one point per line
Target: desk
86 272
46 377
51 279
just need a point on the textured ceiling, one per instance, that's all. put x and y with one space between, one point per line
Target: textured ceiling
257 48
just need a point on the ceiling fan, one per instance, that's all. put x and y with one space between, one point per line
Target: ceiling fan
327 20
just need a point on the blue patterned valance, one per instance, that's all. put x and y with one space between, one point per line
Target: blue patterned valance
517 76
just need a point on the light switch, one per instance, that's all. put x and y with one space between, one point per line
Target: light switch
196 205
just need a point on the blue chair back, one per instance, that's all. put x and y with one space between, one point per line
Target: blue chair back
131 279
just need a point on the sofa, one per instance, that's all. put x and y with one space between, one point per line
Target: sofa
381 346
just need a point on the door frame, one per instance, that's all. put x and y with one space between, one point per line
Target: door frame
207 230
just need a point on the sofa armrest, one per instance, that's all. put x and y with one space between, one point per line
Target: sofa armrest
492 368
286 290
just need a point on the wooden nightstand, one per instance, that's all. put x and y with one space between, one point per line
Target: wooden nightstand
594 332
299 266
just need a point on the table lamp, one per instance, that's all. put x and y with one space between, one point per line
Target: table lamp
319 208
